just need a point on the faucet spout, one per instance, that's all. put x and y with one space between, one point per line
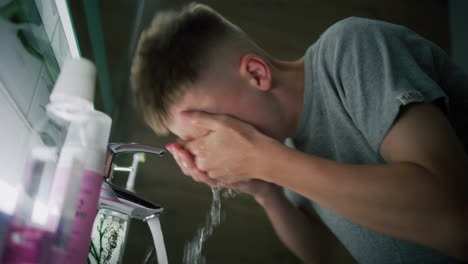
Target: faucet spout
120 200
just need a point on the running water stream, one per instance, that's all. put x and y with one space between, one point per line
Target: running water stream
193 248
156 232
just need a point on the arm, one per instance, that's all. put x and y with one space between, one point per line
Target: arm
416 196
305 236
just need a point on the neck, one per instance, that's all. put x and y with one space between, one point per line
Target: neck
289 89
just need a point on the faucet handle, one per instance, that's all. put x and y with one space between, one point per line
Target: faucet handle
114 149
117 148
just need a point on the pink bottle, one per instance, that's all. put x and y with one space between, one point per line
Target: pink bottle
97 131
58 204
86 144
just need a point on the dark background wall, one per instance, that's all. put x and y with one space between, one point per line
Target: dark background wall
285 29
458 32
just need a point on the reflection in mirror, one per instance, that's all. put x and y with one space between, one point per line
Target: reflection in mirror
125 167
129 168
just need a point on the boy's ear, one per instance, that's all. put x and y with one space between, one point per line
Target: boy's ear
257 71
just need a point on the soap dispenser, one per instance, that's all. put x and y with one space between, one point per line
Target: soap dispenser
63 176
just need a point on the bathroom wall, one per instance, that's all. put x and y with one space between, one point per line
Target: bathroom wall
459 38
33 47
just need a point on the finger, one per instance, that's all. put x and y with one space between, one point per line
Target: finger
177 157
196 147
187 171
173 149
207 180
187 161
176 145
179 163
202 164
203 119
170 145
169 148
186 158
190 146
197 174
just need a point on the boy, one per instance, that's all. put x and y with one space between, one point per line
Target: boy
379 157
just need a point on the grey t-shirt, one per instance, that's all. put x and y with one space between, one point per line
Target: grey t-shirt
358 75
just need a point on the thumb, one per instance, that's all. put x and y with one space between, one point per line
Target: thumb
202 119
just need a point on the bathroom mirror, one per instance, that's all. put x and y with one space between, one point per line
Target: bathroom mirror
123 169
135 172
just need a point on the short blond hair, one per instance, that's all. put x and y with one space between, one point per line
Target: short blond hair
170 55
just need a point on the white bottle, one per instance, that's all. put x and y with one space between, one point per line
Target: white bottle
97 132
58 203
70 100
46 195
80 168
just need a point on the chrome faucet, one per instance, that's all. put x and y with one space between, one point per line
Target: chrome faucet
119 204
118 199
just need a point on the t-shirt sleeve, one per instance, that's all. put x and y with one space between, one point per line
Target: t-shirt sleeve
295 198
377 68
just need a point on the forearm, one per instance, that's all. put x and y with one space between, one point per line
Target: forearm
400 199
305 238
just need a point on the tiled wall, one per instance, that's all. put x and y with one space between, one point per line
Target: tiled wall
32 49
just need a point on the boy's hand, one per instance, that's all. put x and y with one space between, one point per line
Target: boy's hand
186 162
260 190
232 152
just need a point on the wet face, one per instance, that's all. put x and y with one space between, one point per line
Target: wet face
241 90
196 100
235 99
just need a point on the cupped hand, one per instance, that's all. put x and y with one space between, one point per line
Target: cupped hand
260 190
186 162
232 151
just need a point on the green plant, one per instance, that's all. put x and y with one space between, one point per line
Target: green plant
102 252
